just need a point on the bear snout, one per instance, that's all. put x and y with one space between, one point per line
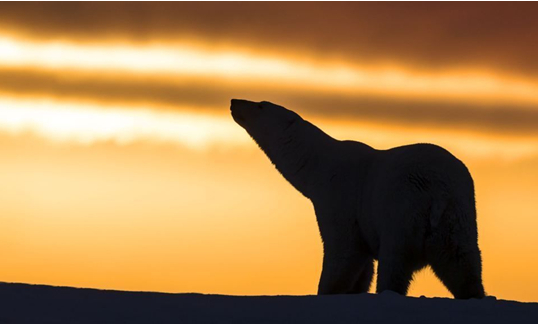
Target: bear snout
237 111
234 107
243 103
237 101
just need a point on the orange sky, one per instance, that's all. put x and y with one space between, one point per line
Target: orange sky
121 167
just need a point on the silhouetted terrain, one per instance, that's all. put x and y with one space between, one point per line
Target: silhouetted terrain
20 303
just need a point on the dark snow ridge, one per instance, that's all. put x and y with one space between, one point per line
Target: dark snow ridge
21 303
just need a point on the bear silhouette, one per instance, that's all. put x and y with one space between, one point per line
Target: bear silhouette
407 207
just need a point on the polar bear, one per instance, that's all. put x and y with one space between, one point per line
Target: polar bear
407 207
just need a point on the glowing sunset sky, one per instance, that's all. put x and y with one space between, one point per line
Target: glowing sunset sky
122 168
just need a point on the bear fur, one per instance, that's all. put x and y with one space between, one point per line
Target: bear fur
407 207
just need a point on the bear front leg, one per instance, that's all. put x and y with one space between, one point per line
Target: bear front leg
341 274
394 272
365 278
343 257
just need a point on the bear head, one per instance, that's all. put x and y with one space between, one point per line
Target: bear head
265 122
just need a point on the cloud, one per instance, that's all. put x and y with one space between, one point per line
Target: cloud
86 123
498 36
429 37
504 119
208 94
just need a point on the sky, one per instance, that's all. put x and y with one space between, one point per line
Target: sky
122 169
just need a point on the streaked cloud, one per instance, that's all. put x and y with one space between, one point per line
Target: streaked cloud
85 92
212 96
86 123
188 61
432 36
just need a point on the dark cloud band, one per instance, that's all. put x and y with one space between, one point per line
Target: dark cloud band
215 95
499 36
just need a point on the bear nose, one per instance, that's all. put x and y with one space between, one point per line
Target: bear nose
237 101
234 103
237 104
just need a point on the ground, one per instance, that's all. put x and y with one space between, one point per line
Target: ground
21 303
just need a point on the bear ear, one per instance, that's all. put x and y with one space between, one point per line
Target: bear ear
292 116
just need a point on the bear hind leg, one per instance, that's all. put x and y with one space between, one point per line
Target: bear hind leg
461 274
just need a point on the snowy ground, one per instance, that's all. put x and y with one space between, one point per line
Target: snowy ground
21 303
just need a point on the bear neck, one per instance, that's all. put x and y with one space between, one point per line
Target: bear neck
298 154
